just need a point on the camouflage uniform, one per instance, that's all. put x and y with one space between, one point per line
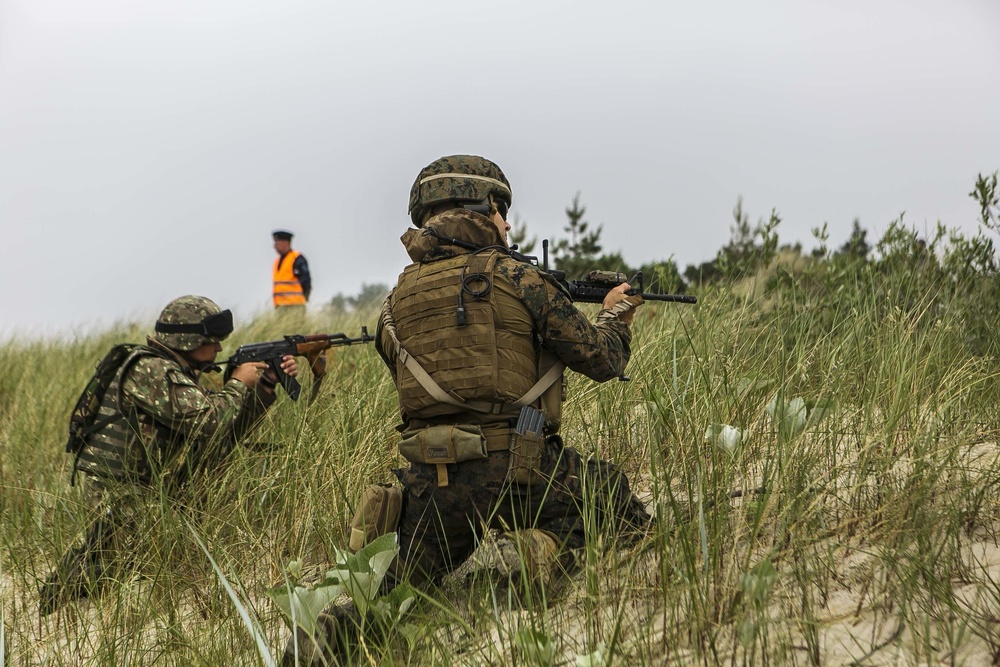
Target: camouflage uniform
182 427
471 336
165 431
440 525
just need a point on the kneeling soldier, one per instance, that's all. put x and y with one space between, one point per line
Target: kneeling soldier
152 426
476 341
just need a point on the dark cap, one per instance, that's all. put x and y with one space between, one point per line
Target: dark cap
282 235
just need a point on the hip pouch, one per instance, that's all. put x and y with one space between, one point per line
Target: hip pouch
442 445
377 515
526 447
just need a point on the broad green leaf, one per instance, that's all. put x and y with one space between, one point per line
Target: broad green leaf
595 659
302 606
536 646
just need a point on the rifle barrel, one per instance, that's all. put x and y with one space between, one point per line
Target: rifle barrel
675 298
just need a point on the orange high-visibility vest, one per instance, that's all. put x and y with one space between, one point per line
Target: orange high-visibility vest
287 290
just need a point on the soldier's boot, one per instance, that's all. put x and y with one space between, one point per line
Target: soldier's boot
77 576
84 570
336 629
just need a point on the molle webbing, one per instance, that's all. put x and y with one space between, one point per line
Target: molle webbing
487 365
480 362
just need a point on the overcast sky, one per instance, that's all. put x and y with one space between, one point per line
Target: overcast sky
147 149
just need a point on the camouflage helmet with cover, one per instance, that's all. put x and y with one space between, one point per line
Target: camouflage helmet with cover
191 321
463 178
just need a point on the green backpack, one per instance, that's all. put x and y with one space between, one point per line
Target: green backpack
84 421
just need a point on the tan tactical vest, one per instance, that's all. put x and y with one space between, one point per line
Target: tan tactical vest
119 450
480 351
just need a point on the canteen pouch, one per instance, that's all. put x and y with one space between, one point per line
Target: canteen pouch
377 515
526 447
443 445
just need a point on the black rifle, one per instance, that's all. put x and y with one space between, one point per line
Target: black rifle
596 284
311 346
591 289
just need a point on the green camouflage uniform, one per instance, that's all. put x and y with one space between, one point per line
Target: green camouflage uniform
201 426
184 433
440 526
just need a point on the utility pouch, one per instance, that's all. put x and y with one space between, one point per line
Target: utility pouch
377 515
526 447
444 444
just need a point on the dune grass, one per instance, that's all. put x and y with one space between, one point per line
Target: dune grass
855 522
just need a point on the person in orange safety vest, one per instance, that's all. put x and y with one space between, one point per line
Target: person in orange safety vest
292 282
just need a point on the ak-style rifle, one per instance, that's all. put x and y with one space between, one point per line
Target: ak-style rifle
311 346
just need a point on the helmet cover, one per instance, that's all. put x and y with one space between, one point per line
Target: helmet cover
189 322
456 178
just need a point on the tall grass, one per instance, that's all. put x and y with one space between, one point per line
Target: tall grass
867 534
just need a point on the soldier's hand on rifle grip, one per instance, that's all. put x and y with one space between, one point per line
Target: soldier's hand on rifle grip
270 378
617 295
249 373
289 365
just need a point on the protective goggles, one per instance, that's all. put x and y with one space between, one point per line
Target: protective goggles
483 207
218 326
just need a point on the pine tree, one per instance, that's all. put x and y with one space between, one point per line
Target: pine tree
579 253
857 246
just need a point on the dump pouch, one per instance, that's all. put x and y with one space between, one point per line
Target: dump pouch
377 515
442 445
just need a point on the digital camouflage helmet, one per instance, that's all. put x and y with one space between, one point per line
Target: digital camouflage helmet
191 321
458 178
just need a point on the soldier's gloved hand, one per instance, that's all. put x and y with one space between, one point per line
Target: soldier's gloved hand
249 373
619 305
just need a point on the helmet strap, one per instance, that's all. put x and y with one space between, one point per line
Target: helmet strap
200 366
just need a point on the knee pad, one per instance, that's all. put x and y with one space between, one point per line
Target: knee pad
378 514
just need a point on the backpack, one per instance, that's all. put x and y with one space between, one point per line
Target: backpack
83 421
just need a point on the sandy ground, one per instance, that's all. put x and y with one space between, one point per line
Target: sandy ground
852 627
